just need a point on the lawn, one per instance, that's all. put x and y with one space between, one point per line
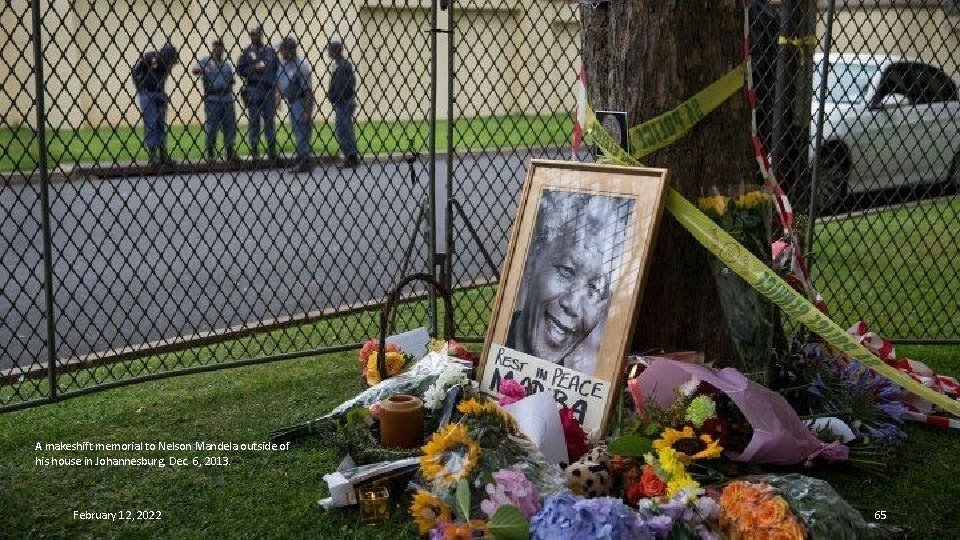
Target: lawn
898 269
274 494
19 149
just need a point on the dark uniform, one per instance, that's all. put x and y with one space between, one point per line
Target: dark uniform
295 83
218 104
258 69
149 77
343 95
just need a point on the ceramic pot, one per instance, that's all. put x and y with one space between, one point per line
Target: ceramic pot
401 421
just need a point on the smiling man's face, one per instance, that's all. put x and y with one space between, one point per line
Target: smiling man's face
570 295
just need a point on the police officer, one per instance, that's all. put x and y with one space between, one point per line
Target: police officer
258 69
343 95
149 77
218 103
295 85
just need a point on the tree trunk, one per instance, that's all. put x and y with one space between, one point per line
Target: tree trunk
646 57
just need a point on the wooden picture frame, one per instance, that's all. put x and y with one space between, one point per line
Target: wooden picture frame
571 283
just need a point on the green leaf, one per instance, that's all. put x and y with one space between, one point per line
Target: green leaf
630 446
508 523
463 498
653 429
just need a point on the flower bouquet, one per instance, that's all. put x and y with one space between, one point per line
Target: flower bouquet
746 215
481 475
792 506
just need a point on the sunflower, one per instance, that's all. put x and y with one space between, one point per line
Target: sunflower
449 456
688 445
474 408
428 509
395 361
716 204
751 199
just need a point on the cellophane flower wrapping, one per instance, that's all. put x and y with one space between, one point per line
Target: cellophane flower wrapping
821 510
745 213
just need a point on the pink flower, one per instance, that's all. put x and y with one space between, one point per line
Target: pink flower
511 392
375 410
634 388
511 487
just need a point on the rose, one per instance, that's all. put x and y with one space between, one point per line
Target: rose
511 392
652 484
635 493
575 436
772 512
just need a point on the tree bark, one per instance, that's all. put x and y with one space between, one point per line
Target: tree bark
646 57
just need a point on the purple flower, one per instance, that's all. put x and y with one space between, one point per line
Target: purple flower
567 517
681 516
511 487
660 525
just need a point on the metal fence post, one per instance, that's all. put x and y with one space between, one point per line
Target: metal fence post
432 171
814 173
41 128
451 149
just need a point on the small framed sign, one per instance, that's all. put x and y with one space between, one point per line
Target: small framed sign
571 282
615 122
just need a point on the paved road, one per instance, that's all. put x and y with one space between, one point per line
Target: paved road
143 259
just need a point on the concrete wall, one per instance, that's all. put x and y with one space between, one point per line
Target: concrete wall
92 45
931 34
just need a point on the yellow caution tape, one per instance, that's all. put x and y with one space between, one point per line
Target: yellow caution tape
798 41
768 283
670 126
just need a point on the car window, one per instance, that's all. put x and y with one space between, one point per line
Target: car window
847 82
900 78
938 86
921 83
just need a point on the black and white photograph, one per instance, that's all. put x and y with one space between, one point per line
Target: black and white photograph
576 257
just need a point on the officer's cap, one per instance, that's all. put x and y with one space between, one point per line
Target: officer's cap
288 43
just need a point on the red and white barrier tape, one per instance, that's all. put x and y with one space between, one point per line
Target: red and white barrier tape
580 117
920 409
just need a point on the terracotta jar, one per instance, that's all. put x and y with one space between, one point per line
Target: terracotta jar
401 421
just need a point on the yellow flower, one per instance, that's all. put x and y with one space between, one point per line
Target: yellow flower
472 407
751 199
451 454
395 361
670 462
428 509
678 483
716 204
688 445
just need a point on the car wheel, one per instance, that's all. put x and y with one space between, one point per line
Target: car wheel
832 168
953 181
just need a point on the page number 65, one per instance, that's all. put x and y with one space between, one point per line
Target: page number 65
882 514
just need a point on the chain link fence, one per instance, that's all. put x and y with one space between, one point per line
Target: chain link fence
858 105
117 271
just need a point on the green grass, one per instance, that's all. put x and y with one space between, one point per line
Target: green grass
273 495
899 270
19 148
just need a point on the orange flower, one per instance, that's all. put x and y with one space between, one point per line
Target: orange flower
790 529
731 494
772 512
652 484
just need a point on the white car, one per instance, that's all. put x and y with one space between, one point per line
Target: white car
888 122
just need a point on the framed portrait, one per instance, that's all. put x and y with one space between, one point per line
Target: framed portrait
571 282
